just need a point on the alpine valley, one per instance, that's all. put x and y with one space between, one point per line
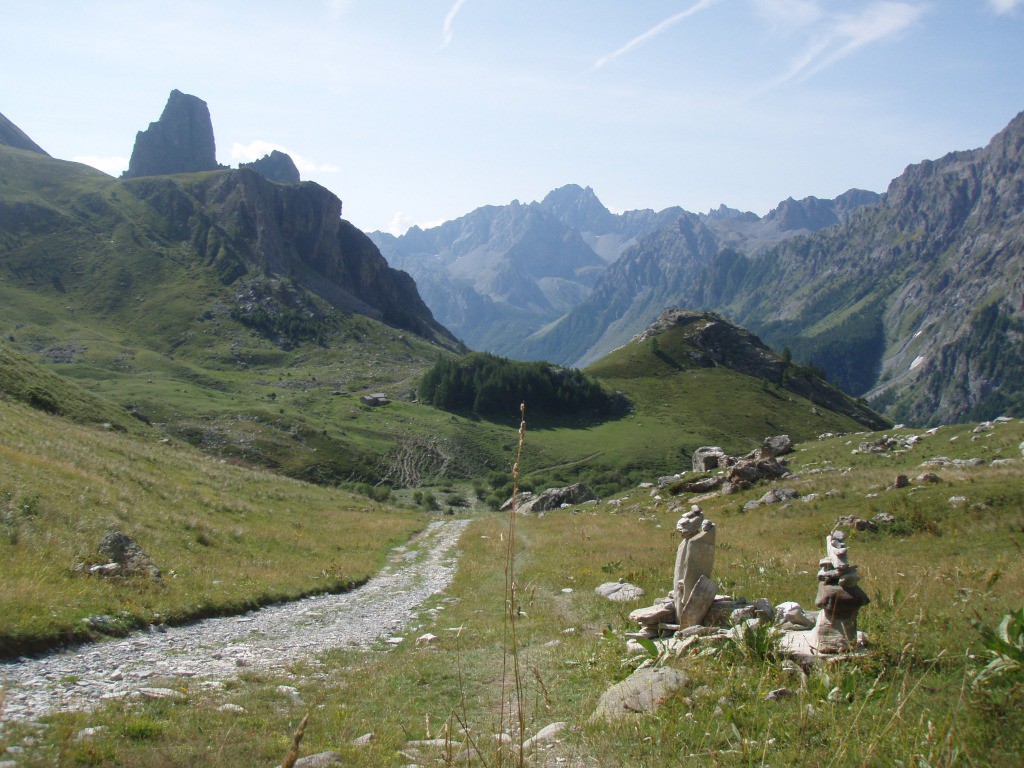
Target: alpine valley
248 453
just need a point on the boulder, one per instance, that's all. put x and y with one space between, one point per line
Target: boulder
643 691
554 498
770 448
545 735
132 560
774 496
319 760
653 615
857 523
703 485
619 591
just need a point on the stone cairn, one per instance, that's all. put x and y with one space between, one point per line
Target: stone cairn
693 611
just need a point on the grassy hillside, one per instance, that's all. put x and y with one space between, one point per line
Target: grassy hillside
130 290
228 538
23 381
908 701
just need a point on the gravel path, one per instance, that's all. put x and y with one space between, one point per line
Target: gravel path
217 649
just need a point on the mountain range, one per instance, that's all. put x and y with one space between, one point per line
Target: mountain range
912 299
502 273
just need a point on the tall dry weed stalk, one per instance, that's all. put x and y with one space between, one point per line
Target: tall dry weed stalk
511 640
293 753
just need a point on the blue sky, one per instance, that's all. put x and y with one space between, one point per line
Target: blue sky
420 111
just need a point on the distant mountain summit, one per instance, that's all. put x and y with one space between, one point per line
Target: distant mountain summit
12 136
277 166
578 207
181 141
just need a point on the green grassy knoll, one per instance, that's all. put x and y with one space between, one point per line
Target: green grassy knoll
908 701
21 380
227 538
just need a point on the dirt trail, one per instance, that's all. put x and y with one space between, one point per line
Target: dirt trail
217 649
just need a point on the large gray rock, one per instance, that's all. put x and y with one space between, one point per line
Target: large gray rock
133 561
553 498
777 446
181 141
619 591
643 691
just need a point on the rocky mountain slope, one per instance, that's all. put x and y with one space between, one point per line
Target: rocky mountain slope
503 273
283 249
914 302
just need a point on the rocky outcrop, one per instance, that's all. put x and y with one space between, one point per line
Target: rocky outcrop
277 166
12 136
552 498
181 141
283 236
123 558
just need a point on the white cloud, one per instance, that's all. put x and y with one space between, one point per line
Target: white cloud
1005 6
446 30
254 150
787 16
111 165
400 224
840 35
654 31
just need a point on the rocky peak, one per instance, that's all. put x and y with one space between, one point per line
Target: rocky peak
12 136
277 166
853 200
811 214
578 207
725 213
181 141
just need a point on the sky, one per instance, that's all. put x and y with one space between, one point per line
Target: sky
419 111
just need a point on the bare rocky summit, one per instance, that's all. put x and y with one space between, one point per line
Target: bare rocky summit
277 166
181 141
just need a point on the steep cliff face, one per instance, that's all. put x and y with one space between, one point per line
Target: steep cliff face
181 141
915 302
244 224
